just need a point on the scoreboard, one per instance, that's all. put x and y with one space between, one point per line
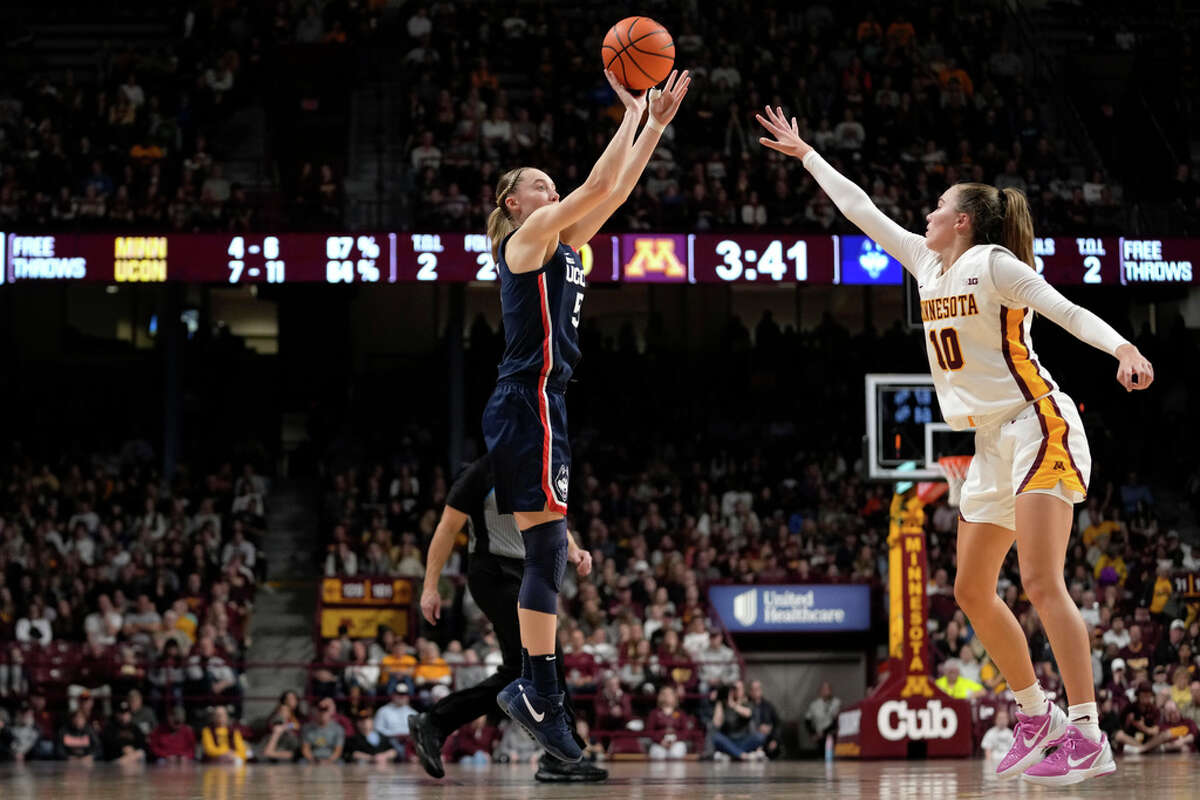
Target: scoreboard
406 257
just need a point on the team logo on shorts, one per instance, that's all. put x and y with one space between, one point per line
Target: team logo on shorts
562 482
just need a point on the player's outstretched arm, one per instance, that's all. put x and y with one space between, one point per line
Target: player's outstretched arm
548 222
1016 281
851 200
663 107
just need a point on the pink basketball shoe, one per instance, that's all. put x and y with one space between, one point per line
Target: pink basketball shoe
1076 759
1031 737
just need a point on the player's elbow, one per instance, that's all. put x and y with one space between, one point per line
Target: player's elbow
601 184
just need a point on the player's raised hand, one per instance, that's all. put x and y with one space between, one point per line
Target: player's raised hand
634 104
665 102
787 134
1135 371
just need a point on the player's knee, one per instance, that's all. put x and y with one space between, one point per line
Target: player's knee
1041 586
970 595
545 563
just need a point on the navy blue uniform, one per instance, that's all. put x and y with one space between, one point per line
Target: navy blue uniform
525 422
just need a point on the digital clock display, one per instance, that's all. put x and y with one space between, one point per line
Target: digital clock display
761 259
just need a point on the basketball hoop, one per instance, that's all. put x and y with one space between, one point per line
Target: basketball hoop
955 470
955 467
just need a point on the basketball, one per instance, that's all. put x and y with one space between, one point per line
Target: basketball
639 51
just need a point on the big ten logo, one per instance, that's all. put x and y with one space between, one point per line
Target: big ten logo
657 256
897 721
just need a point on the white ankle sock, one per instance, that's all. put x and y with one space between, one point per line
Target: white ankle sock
1032 700
1086 717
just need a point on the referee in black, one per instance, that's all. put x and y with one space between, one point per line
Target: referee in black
495 565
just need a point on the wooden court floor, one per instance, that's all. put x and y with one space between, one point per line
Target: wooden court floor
1164 777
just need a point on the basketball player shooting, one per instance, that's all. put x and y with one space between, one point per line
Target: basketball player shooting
535 240
974 269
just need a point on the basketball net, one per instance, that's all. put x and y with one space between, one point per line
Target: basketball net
955 469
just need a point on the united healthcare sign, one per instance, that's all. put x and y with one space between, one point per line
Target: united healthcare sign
793 609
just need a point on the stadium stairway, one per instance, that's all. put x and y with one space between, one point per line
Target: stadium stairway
378 180
281 631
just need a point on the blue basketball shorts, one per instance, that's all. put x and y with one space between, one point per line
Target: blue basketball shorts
525 429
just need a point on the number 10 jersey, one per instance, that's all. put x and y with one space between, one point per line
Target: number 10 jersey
980 354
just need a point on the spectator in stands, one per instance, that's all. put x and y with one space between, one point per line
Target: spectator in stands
392 719
322 740
471 671
210 675
613 707
398 667
327 670
1180 691
669 727
1137 653
517 747
360 672
283 742
1142 728
167 675
432 670
77 740
124 741
238 546
1169 646
718 665
732 732
822 714
341 561
367 745
999 738
23 735
222 743
954 683
764 719
143 716
969 666
1117 635
1191 709
473 743
849 134
46 746
34 627
93 677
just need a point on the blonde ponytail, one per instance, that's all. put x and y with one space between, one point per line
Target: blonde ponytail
999 217
1018 225
498 226
500 222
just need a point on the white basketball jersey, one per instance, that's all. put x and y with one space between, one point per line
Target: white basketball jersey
980 354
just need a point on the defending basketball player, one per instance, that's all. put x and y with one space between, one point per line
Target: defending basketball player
535 238
974 268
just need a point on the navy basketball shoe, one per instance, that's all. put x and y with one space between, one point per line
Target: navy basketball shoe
543 718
